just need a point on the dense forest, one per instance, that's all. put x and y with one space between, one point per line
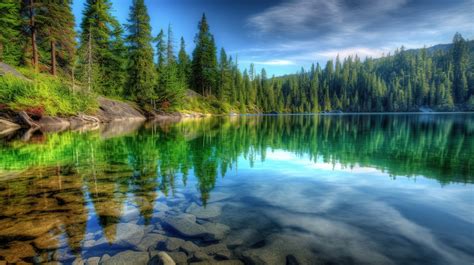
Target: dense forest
127 62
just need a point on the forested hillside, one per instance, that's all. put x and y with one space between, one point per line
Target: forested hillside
127 62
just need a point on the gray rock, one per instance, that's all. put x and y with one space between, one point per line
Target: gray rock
242 237
89 243
204 212
216 231
179 257
219 262
62 254
218 250
173 243
128 235
150 241
161 258
128 257
201 256
186 225
147 229
278 247
161 207
189 247
104 257
78 261
93 261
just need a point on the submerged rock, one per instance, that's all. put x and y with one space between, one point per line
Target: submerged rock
242 237
93 261
219 262
204 212
279 249
128 257
216 231
161 258
128 234
179 257
186 225
16 251
48 241
218 250
150 241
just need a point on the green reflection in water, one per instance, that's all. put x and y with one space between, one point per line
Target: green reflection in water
47 182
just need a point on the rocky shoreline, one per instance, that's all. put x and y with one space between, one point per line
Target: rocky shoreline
109 111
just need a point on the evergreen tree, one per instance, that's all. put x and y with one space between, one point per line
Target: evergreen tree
459 57
101 50
204 63
55 23
184 66
10 33
225 78
142 76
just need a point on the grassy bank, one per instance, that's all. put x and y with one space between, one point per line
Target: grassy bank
41 94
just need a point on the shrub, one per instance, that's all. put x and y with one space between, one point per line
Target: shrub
44 95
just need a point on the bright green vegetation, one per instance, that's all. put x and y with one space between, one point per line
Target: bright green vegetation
434 146
127 62
43 94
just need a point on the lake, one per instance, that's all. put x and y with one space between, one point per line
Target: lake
295 189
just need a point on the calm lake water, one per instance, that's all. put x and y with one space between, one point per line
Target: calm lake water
335 189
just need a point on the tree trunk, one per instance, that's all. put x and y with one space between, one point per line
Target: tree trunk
33 37
53 57
89 61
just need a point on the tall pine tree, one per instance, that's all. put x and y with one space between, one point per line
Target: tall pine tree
204 64
141 79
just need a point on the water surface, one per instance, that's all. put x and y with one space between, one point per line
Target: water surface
303 189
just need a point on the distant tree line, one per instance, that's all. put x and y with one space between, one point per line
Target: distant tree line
128 62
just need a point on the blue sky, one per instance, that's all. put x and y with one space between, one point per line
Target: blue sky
285 35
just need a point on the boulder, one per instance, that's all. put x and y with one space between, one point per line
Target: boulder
150 241
242 237
161 258
49 241
281 248
179 257
219 262
186 225
128 235
16 251
172 244
93 261
128 257
204 212
216 231
218 250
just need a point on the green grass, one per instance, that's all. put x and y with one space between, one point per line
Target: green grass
50 95
205 105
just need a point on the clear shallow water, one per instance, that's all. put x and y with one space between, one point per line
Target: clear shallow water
350 189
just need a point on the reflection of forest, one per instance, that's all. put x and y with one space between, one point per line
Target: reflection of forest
436 146
44 187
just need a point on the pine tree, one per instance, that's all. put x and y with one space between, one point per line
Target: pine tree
459 57
141 79
184 66
204 64
101 50
55 23
224 80
10 33
29 9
